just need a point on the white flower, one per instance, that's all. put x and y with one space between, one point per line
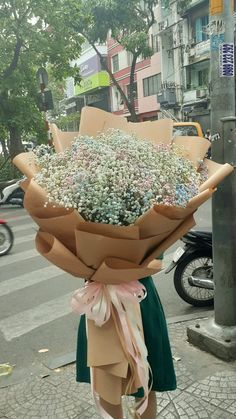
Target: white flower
116 177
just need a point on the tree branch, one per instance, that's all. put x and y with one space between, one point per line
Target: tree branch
145 15
124 97
8 72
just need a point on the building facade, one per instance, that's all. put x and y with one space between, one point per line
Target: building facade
147 78
196 63
185 41
174 82
94 87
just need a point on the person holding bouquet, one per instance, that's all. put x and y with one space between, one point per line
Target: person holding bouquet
107 208
159 353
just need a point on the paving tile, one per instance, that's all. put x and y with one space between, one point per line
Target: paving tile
219 390
187 406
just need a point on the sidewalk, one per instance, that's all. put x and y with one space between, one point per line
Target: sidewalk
206 388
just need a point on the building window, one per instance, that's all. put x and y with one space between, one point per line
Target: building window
197 75
200 28
155 43
203 77
135 90
152 85
115 63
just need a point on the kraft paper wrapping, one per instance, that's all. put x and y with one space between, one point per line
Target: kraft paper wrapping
195 148
61 139
54 251
217 172
112 254
157 131
115 271
95 120
26 164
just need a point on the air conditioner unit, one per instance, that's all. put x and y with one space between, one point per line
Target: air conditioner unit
187 48
163 25
192 52
166 24
167 97
201 93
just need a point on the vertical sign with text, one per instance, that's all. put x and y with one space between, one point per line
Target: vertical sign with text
226 56
216 7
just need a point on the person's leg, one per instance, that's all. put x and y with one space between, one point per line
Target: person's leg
151 411
114 410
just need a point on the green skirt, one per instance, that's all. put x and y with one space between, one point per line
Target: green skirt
156 340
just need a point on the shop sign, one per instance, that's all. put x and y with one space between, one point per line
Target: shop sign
100 79
226 53
89 67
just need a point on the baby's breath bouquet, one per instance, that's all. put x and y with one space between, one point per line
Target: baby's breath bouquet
115 177
107 206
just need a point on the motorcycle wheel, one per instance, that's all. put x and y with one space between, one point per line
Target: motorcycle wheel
200 261
6 239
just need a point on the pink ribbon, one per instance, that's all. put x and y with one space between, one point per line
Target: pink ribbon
95 300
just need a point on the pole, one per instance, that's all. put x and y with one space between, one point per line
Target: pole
218 335
224 233
224 151
222 87
43 80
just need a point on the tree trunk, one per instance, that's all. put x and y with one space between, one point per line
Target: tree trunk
15 144
4 149
133 117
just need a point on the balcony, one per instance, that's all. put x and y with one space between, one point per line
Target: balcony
167 97
184 8
197 94
200 49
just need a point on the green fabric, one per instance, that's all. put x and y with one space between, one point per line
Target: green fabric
156 339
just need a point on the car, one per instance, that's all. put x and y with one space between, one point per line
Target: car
28 145
187 128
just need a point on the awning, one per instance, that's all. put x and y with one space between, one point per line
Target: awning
195 102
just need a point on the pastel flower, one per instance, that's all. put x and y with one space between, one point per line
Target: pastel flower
116 177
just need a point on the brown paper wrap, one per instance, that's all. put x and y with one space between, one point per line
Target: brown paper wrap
195 148
112 254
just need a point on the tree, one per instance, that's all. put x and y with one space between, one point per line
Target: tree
129 23
33 33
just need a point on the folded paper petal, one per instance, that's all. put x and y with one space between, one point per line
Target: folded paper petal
54 251
153 222
195 148
178 213
57 222
131 250
183 228
62 140
25 162
35 197
109 230
217 172
116 271
155 131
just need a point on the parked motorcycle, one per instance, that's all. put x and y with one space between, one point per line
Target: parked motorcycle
6 238
11 193
193 263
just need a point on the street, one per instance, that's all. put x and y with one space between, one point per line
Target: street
35 296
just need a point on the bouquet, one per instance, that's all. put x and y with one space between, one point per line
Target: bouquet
107 207
114 178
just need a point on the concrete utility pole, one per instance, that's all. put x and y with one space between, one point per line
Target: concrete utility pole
218 335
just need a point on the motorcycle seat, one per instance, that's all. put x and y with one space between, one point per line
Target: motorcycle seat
203 235
6 183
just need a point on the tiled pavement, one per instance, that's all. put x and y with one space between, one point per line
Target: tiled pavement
206 389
